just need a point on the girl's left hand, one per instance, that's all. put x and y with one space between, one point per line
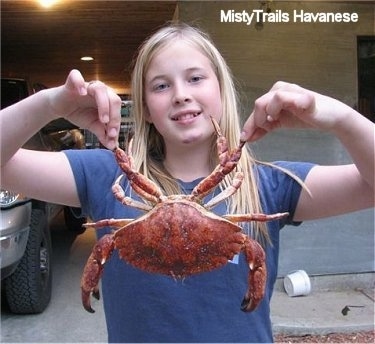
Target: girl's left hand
291 106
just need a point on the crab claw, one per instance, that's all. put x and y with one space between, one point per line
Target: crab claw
94 269
86 297
257 276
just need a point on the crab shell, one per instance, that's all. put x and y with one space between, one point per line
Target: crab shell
189 240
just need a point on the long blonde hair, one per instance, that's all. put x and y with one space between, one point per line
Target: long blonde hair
148 144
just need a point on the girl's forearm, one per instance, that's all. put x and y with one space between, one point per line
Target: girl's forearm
20 121
357 134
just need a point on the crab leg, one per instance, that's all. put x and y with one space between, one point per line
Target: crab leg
119 193
150 190
227 162
255 257
237 181
115 223
222 147
255 217
94 268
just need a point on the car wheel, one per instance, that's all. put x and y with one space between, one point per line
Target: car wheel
28 289
72 222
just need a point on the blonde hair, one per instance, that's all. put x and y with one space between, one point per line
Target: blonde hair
148 144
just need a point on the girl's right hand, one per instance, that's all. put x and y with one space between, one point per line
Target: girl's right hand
89 105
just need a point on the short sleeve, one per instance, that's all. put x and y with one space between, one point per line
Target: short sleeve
279 192
94 171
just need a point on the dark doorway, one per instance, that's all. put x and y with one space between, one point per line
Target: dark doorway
366 76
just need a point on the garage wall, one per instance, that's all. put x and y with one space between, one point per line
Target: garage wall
319 56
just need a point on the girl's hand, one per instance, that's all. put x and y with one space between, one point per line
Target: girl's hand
89 105
291 106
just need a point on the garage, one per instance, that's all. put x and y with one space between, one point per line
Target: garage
328 47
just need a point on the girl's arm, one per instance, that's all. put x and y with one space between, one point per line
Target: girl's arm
334 189
47 175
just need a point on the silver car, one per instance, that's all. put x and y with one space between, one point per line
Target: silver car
25 238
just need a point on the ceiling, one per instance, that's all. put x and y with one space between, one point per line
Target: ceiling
43 45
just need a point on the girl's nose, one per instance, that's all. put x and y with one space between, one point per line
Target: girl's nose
181 94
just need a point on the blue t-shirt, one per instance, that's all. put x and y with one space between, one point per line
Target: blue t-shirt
143 307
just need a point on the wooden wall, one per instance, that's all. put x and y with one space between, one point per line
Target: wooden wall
320 56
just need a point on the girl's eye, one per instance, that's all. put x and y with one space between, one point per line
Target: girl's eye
160 87
196 78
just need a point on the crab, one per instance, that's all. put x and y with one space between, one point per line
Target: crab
179 235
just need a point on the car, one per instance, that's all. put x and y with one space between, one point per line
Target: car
25 238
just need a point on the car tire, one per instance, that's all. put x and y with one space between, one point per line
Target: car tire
72 222
28 289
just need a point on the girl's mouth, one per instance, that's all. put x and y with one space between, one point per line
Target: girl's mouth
185 116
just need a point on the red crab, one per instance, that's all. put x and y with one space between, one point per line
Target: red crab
179 235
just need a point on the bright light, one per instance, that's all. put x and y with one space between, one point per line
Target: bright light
47 3
87 58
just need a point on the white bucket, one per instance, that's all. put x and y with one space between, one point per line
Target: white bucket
297 283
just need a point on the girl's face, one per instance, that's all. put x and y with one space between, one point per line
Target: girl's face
181 93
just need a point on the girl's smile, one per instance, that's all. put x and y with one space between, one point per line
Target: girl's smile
185 116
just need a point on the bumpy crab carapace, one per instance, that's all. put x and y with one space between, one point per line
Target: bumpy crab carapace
178 235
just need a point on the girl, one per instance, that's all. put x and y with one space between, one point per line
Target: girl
179 80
